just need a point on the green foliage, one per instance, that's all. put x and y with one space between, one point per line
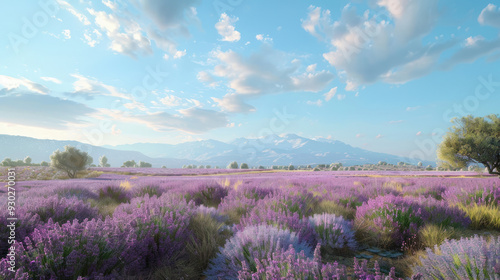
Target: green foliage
233 165
44 163
472 140
27 160
331 207
208 236
244 166
103 161
482 216
71 160
431 235
291 167
143 164
129 163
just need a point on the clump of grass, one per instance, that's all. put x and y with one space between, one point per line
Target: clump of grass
431 235
208 236
105 206
331 207
482 216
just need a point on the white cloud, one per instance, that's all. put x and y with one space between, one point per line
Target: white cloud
318 102
409 109
359 135
51 79
192 120
264 72
131 42
330 94
367 47
379 136
311 68
267 72
233 103
67 34
171 100
179 54
112 5
419 133
11 83
490 15
261 37
154 20
398 121
89 88
207 78
92 38
42 111
65 5
340 96
471 41
226 28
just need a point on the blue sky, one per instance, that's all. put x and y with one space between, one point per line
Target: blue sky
382 75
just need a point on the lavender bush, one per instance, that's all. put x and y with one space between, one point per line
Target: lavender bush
288 264
254 242
333 231
467 258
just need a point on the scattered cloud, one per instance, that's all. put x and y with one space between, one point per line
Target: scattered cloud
359 135
42 111
395 122
379 136
267 72
419 133
330 94
171 100
68 7
233 103
207 78
11 83
318 102
179 54
410 109
192 120
67 34
92 38
51 79
311 68
89 88
490 15
226 28
261 37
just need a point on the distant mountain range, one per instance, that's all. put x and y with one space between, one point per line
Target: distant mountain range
273 150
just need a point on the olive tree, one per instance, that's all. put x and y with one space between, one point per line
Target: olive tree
71 160
472 140
27 160
103 161
233 165
244 166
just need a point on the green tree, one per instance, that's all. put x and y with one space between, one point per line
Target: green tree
44 163
129 163
291 167
144 164
233 165
7 162
472 140
244 166
103 161
27 160
71 160
419 164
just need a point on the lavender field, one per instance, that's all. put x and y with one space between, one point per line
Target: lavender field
256 225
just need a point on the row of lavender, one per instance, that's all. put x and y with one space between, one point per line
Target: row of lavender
266 225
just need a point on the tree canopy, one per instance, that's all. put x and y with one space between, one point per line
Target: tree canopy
472 140
71 160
